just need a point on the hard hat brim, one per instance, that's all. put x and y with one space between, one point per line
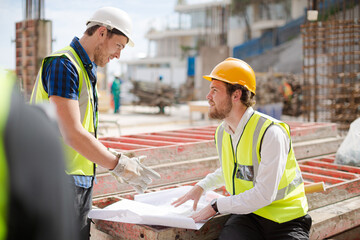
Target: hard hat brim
211 78
208 77
92 23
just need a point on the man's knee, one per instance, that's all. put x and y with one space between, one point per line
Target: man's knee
240 227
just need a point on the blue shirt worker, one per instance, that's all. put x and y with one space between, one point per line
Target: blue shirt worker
67 79
257 164
116 92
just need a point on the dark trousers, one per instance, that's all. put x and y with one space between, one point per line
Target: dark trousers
82 205
252 226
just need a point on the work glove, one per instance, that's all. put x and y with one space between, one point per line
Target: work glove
133 172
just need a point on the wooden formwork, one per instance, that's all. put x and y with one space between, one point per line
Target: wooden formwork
185 156
333 211
191 154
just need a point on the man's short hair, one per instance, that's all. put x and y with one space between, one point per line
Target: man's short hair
91 30
247 97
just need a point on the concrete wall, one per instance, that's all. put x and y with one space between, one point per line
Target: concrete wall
44 44
208 58
298 8
235 37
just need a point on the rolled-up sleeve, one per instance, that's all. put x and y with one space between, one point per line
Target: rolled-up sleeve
60 78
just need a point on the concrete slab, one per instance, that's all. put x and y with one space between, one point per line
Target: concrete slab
335 218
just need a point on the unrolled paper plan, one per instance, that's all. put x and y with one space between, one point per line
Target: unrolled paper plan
155 209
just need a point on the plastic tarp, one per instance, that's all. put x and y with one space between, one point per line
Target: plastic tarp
349 150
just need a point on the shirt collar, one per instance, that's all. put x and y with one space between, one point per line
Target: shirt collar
240 127
76 45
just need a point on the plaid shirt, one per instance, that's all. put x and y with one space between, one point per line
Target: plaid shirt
60 78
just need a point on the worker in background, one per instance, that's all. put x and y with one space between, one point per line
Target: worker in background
35 202
116 92
67 79
286 90
258 166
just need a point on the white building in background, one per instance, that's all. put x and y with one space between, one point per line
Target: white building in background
196 25
262 18
206 33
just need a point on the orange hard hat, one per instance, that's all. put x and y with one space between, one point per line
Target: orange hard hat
234 71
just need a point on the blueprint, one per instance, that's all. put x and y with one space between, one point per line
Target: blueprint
155 209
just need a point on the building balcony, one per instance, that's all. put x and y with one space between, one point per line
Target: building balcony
156 35
262 25
185 8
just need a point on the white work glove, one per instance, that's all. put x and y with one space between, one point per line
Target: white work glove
131 171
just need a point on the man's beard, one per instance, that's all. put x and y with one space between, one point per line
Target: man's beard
223 112
99 56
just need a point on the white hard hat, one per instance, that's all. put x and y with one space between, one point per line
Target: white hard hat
111 17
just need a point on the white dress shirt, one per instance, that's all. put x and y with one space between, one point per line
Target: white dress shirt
274 152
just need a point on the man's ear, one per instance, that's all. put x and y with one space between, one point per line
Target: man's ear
102 31
237 95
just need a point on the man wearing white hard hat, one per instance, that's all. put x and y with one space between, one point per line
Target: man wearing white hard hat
67 79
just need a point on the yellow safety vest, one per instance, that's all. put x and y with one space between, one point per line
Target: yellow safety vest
76 163
240 169
6 86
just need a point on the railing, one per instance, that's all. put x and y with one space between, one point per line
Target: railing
278 36
269 39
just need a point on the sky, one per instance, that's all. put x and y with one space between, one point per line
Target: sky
69 17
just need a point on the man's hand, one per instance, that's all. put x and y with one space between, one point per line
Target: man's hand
204 214
194 194
131 171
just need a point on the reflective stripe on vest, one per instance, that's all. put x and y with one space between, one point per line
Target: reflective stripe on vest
245 170
76 163
6 86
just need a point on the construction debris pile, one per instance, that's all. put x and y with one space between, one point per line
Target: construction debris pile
282 88
153 94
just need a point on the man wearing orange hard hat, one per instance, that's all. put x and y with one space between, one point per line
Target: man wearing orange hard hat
258 166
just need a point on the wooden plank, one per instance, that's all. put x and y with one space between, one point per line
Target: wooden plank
319 178
127 231
122 146
328 172
198 106
326 165
170 174
176 153
335 218
301 132
167 138
145 142
184 135
317 147
334 193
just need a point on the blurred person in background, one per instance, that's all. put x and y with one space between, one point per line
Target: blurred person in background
116 92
